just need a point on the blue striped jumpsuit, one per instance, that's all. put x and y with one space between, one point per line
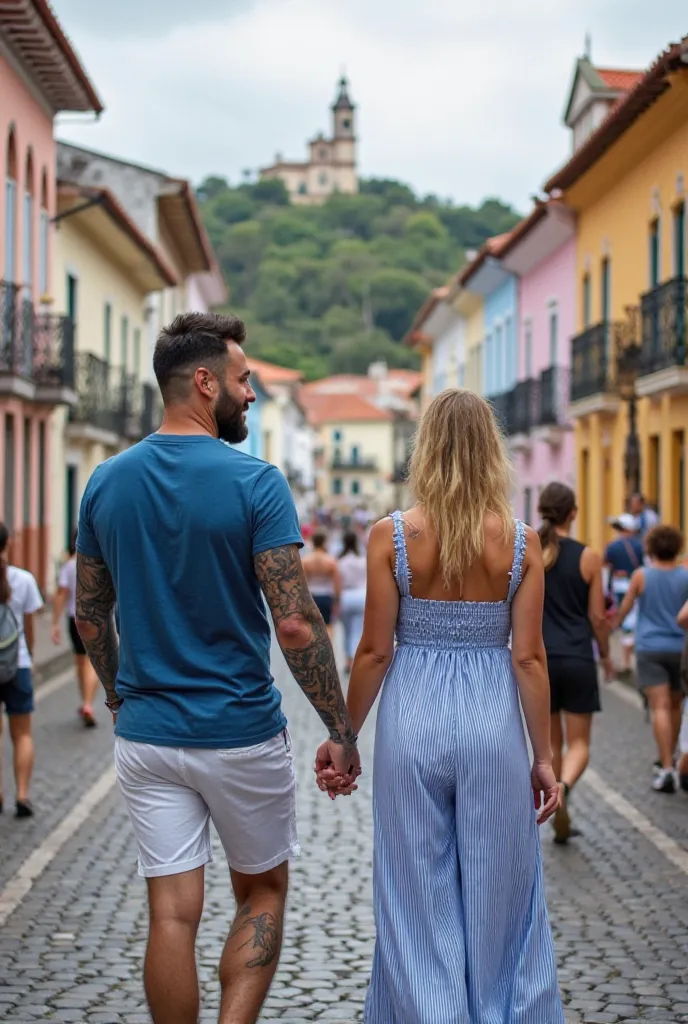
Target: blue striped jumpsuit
463 935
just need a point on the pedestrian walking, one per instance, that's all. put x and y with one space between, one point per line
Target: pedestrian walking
462 927
20 599
622 557
660 591
200 733
646 517
322 572
352 572
573 615
65 597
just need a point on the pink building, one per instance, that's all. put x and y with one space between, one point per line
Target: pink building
541 252
40 76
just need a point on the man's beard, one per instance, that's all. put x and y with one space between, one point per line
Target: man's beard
231 426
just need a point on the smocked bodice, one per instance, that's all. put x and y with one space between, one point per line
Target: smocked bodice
453 624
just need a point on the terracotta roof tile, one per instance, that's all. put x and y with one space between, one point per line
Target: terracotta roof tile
631 106
618 78
400 382
270 373
322 409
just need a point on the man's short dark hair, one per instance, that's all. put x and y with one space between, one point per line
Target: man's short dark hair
664 543
190 341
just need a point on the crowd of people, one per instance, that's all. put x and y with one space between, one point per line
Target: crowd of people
473 630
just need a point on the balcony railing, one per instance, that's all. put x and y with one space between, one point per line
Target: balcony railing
113 400
663 312
524 403
553 396
591 365
349 462
151 411
503 406
36 346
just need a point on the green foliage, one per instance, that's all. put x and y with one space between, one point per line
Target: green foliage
332 288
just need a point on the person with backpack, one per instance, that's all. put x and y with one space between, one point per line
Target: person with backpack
20 599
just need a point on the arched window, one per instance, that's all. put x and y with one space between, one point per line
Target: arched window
43 229
10 245
27 223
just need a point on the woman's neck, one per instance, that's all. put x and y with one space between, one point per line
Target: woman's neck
562 531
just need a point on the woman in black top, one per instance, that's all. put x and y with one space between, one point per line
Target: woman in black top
573 615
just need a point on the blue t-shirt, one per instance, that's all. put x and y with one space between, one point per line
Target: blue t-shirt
177 520
665 591
625 555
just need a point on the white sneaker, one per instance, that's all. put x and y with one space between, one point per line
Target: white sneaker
665 781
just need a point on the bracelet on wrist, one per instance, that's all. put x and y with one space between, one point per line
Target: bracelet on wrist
114 705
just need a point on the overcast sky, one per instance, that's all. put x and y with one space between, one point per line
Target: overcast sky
463 99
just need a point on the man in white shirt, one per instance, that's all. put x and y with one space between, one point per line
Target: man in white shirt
20 592
645 516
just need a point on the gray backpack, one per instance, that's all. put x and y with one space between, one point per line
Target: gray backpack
9 644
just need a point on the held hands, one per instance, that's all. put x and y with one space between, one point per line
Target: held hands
337 766
546 790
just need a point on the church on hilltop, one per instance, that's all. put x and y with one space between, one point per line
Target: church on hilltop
332 164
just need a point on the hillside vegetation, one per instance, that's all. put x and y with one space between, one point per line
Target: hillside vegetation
329 289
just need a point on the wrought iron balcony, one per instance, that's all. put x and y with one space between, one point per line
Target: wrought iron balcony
151 411
362 465
553 396
503 407
37 347
663 312
591 363
96 398
524 403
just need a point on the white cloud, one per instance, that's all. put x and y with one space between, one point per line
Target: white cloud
461 100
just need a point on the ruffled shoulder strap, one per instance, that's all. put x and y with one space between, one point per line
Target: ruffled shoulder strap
519 552
402 573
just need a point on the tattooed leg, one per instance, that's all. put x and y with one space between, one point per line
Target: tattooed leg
251 953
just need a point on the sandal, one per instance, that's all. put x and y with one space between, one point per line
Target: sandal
23 809
88 717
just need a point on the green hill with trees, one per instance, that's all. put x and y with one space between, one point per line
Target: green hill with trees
328 289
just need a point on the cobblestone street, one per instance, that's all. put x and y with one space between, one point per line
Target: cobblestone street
71 948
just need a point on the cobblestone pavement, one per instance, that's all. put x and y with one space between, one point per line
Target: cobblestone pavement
72 949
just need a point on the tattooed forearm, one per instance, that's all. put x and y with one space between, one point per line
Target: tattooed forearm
95 602
303 637
262 934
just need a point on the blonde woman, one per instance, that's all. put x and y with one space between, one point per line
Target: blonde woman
462 926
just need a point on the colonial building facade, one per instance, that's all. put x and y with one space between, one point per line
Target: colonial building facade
331 165
40 76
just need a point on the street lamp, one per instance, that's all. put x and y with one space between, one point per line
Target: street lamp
627 357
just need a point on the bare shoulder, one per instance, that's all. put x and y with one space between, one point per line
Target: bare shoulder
533 553
382 532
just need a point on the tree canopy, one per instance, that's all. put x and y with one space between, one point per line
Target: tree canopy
331 288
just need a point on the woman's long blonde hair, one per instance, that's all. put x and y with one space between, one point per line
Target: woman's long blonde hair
459 471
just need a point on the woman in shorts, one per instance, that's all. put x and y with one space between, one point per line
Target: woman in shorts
322 575
660 590
85 673
574 616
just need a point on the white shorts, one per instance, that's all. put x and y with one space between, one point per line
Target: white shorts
173 793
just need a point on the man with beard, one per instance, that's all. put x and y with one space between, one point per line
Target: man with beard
184 532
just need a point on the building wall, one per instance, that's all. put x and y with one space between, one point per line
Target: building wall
475 334
101 280
255 442
548 287
640 179
448 357
374 440
25 504
500 352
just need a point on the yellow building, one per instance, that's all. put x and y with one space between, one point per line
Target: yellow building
363 426
626 183
104 270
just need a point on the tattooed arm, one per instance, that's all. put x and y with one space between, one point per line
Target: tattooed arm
302 635
95 620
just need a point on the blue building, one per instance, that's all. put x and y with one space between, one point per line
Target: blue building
255 442
499 289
